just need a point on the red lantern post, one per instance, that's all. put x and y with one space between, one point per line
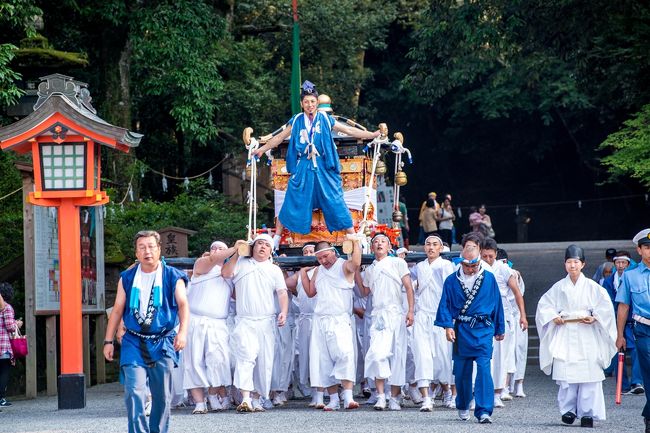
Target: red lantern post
64 136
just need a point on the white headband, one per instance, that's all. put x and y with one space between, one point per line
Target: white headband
402 250
435 237
325 249
264 237
623 258
217 244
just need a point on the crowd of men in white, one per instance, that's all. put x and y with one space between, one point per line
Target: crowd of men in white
255 331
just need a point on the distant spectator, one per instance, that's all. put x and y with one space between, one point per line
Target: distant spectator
404 224
486 222
474 219
445 218
428 218
609 258
7 328
421 236
608 269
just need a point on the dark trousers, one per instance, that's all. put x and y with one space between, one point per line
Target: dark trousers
642 334
5 367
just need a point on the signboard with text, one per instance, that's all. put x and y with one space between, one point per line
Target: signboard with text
46 260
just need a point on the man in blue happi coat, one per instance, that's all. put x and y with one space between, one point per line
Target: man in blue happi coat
471 312
315 169
151 301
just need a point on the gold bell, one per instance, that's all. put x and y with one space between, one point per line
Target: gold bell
397 216
248 172
400 178
380 169
367 231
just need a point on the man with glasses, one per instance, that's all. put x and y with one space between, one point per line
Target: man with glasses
471 312
151 301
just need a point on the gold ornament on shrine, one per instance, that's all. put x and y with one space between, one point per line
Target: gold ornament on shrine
400 178
380 170
397 216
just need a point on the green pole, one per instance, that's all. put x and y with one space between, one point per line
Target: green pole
295 62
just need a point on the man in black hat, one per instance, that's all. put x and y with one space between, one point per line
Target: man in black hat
577 332
635 291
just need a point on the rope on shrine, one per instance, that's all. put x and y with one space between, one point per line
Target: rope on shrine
375 145
10 194
188 177
251 161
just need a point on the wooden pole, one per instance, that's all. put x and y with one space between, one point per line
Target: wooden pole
51 355
100 362
26 172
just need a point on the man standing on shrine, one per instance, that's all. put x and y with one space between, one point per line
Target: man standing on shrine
314 166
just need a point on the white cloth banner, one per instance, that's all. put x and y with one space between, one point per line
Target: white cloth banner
354 198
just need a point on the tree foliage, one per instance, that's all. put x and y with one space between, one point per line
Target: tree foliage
630 149
16 20
199 208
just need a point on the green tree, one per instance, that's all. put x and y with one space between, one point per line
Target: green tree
630 149
16 21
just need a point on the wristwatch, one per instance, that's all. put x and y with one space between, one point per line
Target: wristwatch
108 342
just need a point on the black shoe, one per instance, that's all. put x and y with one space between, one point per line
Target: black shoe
568 418
586 421
4 402
637 389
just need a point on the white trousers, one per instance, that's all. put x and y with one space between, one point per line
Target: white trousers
252 345
386 356
303 337
283 356
206 358
431 351
503 356
583 399
521 349
331 350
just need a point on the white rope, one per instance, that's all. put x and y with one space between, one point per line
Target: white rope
375 144
252 193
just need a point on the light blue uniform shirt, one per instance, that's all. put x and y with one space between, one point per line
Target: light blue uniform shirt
635 290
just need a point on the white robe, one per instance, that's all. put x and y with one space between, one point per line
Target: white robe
576 352
503 351
253 339
521 340
206 358
431 350
332 349
303 333
386 356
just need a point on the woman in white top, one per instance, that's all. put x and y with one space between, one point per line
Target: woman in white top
445 216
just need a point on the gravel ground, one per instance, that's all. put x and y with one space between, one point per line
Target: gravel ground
105 412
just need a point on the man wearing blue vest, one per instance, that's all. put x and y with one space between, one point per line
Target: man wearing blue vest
471 312
151 301
635 291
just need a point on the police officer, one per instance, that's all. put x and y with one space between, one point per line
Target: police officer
635 291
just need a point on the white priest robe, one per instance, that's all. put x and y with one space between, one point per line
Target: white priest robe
577 353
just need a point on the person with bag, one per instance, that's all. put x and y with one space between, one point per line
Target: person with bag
8 326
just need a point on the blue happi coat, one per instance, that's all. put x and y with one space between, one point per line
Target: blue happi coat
313 187
140 351
473 340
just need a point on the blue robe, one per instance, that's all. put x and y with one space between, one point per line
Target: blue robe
314 187
477 341
473 340
143 352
